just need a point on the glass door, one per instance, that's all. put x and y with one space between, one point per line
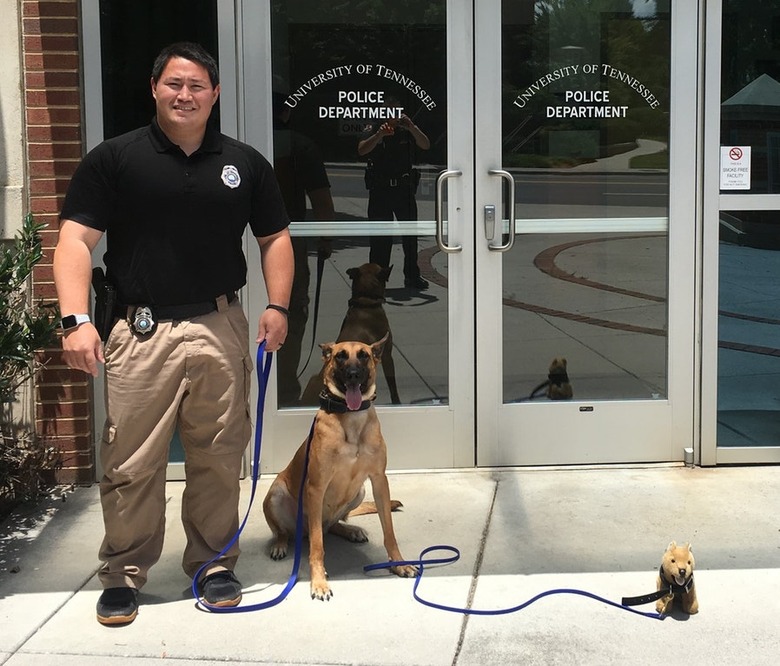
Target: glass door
367 112
585 169
507 167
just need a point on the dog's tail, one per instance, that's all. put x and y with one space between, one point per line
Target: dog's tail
370 507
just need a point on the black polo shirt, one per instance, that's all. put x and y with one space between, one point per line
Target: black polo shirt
175 224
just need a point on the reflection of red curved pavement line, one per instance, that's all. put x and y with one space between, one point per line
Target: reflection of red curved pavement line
425 262
545 262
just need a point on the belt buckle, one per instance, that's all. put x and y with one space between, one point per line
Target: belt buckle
142 320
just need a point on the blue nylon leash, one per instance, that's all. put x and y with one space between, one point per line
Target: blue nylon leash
263 374
421 562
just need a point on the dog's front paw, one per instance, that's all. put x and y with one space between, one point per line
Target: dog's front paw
279 550
321 590
406 571
355 534
352 533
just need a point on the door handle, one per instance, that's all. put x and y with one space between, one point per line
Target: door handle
511 238
444 175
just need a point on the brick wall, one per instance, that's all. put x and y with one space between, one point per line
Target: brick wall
50 46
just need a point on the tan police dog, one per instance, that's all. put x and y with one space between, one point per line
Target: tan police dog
347 448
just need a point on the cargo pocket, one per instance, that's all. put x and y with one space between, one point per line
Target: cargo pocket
108 451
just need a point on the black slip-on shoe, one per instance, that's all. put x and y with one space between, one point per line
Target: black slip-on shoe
221 588
419 283
117 605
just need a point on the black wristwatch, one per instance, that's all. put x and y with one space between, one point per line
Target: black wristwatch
72 321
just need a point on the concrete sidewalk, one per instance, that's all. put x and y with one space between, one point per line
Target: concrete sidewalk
520 533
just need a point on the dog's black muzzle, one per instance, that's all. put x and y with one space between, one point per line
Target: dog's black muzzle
354 373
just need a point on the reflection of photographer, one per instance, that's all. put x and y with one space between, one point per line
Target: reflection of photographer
392 183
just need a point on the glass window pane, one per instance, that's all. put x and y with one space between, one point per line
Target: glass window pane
586 136
360 115
131 36
748 321
750 92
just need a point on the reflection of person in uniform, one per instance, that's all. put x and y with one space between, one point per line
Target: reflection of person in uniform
392 184
300 171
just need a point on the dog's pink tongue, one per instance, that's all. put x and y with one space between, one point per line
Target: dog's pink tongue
354 398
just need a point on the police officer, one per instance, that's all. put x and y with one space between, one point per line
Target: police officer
392 185
173 199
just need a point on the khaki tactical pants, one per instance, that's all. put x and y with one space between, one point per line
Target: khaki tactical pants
195 374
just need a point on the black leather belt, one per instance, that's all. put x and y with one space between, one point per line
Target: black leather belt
177 312
395 181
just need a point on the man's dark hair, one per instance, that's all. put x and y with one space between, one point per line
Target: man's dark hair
189 51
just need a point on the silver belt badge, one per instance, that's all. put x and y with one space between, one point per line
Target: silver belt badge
143 322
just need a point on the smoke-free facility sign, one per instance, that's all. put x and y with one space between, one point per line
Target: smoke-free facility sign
735 167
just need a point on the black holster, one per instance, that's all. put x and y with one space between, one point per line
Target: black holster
105 303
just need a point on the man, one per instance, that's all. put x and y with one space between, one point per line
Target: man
173 199
392 183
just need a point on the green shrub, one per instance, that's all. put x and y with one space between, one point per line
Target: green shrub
26 462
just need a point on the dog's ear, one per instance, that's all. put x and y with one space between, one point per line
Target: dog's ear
384 274
327 350
353 273
672 545
378 347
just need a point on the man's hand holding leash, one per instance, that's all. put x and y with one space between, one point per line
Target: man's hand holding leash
273 327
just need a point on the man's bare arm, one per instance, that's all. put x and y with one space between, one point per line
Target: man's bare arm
72 276
278 267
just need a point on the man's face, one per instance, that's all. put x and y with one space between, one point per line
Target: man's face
184 96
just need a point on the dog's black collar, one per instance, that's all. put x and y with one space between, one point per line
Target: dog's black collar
558 378
365 302
667 589
334 405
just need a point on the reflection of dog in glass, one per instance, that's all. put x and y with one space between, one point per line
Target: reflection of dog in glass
366 320
557 383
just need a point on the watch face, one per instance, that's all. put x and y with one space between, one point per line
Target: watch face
71 321
68 322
